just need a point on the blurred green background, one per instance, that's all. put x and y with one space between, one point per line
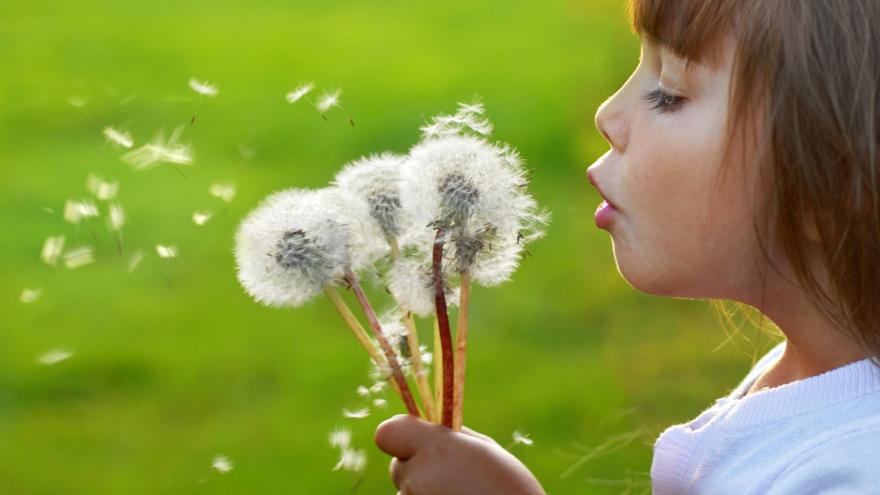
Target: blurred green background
173 364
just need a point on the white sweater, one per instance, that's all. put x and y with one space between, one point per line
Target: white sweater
819 435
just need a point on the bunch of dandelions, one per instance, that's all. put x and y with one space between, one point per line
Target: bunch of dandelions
452 212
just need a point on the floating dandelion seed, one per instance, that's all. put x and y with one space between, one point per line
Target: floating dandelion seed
77 101
222 464
299 92
160 151
201 217
356 414
469 118
101 189
354 460
379 402
203 88
340 438
78 257
116 218
521 438
74 211
120 138
363 391
54 356
135 260
328 100
165 251
223 191
30 295
52 248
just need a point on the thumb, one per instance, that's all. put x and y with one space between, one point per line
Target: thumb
404 435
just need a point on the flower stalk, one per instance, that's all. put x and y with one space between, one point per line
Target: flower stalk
390 356
443 329
461 351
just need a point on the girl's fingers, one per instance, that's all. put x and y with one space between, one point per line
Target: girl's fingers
403 435
485 438
396 468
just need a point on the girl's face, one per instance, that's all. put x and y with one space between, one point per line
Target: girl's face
676 232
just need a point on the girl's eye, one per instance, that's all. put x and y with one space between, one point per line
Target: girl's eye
663 102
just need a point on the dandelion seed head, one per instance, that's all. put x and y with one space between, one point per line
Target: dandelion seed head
221 464
411 282
376 180
328 100
30 295
120 138
299 92
467 120
166 251
78 257
296 242
224 191
201 217
52 248
203 88
54 356
476 191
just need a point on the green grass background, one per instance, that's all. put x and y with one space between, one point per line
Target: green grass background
174 364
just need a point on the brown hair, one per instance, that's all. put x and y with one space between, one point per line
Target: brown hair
810 69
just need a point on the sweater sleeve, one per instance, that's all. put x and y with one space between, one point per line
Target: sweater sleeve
846 464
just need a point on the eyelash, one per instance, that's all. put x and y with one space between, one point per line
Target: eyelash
663 102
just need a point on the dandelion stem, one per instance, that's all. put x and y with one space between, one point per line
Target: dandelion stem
438 374
443 328
355 326
360 334
424 388
461 349
396 373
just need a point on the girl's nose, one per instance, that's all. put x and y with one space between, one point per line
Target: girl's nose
611 123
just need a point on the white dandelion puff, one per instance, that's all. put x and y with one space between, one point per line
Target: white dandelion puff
221 464
521 438
224 191
101 189
376 181
410 281
475 191
75 211
30 295
203 88
116 217
166 251
299 92
135 260
356 414
340 438
78 257
201 217
120 138
328 100
298 241
52 248
54 356
354 460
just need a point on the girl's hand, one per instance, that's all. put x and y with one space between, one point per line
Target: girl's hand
431 459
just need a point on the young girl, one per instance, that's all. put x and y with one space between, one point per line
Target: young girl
743 166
